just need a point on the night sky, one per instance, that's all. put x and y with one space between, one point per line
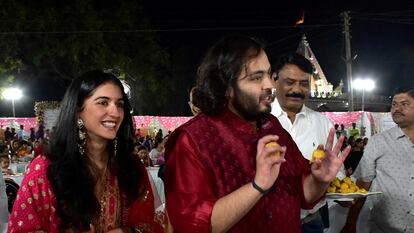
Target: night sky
382 39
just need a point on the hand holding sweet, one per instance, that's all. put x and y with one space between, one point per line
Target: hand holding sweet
268 165
325 170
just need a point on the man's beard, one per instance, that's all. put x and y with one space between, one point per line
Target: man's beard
247 105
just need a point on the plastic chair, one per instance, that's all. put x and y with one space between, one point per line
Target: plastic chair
11 191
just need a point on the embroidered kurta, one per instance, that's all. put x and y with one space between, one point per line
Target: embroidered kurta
35 205
210 157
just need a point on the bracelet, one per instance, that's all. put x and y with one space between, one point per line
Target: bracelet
258 188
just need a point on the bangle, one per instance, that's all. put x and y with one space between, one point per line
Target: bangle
258 188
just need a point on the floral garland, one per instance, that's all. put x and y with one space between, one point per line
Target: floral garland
40 108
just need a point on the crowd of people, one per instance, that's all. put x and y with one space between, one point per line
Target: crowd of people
219 173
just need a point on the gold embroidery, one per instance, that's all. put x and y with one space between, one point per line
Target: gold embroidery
145 195
29 200
31 183
35 196
23 206
37 167
30 216
109 198
20 223
160 218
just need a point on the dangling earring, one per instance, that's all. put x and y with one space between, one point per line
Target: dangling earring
115 142
81 136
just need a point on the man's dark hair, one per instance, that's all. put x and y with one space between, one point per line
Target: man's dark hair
220 69
405 90
294 59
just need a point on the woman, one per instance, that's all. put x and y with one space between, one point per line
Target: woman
157 150
88 181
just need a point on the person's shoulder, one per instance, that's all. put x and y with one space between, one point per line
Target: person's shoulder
317 116
393 132
38 166
201 121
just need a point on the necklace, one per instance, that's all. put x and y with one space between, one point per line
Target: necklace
101 189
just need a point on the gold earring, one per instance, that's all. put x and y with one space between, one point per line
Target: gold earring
81 136
115 142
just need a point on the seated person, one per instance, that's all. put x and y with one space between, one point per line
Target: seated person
141 153
14 147
4 164
4 150
23 153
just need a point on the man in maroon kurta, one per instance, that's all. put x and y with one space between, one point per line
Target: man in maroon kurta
220 177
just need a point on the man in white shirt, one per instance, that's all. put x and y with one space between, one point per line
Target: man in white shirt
307 127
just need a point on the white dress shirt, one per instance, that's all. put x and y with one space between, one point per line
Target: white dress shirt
309 129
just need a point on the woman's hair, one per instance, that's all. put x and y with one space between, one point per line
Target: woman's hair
141 147
158 141
220 69
69 173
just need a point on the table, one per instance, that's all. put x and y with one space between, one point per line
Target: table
159 184
16 178
18 168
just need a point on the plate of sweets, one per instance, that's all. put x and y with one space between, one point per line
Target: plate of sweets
346 190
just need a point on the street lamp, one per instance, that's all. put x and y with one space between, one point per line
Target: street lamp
364 85
12 94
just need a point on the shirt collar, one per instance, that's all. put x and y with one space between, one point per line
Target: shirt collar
277 111
398 133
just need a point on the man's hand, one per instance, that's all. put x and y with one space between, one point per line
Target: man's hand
267 166
324 171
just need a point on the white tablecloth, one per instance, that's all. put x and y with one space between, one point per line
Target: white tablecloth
16 178
159 184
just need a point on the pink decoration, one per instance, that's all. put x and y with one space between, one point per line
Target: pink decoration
28 122
346 118
171 123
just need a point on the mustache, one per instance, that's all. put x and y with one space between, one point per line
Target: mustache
398 113
295 95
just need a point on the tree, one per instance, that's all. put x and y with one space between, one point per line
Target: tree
58 40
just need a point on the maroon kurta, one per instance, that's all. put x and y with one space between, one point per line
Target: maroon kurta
210 157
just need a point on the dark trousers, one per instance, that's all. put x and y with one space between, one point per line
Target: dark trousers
318 222
313 226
